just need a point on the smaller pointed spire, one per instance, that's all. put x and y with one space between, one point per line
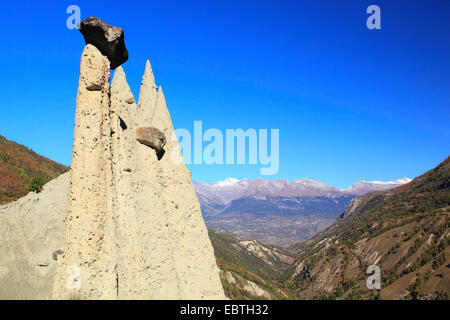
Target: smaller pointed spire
119 84
119 76
148 79
147 96
122 99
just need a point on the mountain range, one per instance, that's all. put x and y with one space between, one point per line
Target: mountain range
278 212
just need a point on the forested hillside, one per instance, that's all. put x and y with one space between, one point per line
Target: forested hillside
23 170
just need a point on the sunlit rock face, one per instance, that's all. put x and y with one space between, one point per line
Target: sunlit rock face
125 222
133 228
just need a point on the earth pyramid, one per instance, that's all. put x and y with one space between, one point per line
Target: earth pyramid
133 227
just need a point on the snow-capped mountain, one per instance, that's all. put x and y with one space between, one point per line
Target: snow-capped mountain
278 211
226 183
363 187
216 196
223 192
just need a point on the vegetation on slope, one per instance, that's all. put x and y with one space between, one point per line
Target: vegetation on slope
22 170
250 270
404 231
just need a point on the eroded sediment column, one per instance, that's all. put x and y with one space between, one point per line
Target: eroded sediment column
134 228
88 261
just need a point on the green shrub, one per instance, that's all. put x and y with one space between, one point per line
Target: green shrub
36 184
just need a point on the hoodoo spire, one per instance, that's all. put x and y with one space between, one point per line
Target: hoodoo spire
134 228
148 79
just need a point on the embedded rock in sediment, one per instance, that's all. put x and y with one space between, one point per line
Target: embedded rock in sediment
108 39
151 137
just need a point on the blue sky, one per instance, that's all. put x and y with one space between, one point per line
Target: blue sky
350 103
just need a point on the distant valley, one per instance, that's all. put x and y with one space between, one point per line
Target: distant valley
278 212
404 231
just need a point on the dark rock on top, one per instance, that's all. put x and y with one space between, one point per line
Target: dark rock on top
151 137
108 39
